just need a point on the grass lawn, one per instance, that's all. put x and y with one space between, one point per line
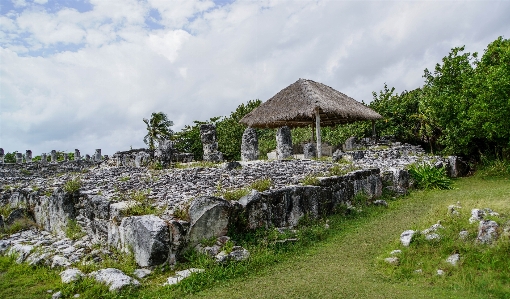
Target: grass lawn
345 264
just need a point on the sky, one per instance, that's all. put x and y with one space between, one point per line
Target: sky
82 74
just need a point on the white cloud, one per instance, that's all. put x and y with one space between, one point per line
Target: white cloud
208 60
41 1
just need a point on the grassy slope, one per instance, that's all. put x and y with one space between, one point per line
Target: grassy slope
345 265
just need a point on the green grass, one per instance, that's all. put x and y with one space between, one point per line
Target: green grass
427 176
310 180
73 230
143 206
73 185
342 261
342 169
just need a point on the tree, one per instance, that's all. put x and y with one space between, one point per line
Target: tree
158 128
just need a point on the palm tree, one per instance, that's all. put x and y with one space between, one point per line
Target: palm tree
158 127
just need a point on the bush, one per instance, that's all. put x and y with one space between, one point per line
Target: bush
429 177
261 184
494 167
310 180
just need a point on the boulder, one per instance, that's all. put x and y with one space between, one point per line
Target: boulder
180 275
16 214
22 251
453 259
114 278
141 273
350 144
148 237
4 246
487 232
337 155
60 261
209 217
392 261
457 167
249 145
406 237
476 215
232 165
71 275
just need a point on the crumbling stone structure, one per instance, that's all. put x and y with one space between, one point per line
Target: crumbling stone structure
249 145
283 143
210 143
310 150
28 156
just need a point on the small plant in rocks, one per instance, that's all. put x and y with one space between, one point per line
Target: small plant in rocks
143 204
310 180
72 185
73 230
261 184
342 169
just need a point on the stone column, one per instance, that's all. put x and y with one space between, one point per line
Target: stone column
87 157
2 155
76 155
165 152
53 156
310 151
19 158
44 158
97 155
28 156
66 157
210 144
249 145
283 143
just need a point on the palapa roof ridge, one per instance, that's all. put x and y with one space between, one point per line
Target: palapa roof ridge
295 106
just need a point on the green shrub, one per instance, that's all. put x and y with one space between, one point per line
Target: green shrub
73 185
342 169
429 177
494 167
143 204
234 194
261 184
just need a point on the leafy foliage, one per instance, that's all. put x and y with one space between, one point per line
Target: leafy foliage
73 185
158 127
427 176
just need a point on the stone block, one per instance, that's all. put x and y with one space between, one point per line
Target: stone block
283 143
249 145
209 217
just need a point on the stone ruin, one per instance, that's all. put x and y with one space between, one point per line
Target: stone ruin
187 201
210 143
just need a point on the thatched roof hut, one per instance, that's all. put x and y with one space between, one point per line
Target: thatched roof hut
305 102
296 106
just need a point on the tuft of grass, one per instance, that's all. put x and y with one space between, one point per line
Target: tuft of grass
202 164
342 169
310 180
25 172
427 176
143 206
73 230
261 184
234 194
17 226
72 185
124 178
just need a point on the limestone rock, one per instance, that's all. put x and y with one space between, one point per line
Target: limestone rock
392 261
406 237
210 143
310 150
476 215
4 246
60 261
22 251
381 202
283 143
463 235
249 145
148 237
180 275
487 232
396 252
238 253
432 237
457 167
57 295
71 275
433 228
350 144
453 259
453 210
232 165
440 272
209 217
141 273
114 278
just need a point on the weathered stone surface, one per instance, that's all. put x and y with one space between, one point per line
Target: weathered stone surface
337 155
453 259
392 261
209 217
165 152
53 156
60 261
350 144
406 237
56 295
2 155
16 214
148 237
238 253
142 273
19 158
180 275
487 232
4 246
210 143
249 145
283 143
97 155
433 228
457 167
453 210
53 212
381 202
71 275
440 272
476 215
28 156
232 165
22 251
114 278
396 252
432 237
310 150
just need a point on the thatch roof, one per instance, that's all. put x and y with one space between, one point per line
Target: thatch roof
295 105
